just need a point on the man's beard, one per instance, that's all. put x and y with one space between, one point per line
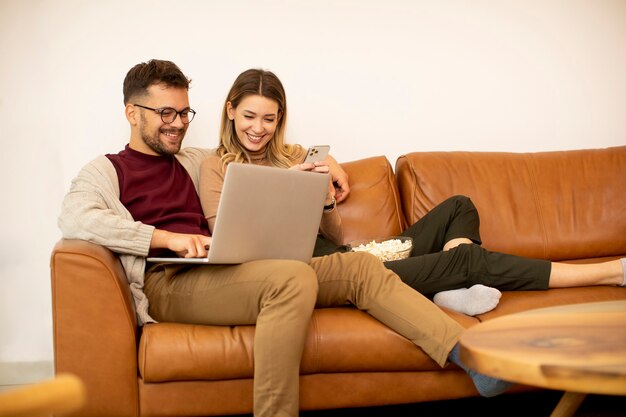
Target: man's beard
154 142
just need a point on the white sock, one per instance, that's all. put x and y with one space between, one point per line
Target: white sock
475 300
623 261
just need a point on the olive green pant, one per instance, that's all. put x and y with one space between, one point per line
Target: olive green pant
430 270
279 296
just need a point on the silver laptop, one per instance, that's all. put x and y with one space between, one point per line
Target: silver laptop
265 213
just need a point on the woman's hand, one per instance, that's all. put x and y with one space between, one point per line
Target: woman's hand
322 167
341 186
319 166
339 178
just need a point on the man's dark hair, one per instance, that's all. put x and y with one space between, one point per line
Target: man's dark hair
155 71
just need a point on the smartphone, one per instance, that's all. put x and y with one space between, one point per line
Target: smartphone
316 153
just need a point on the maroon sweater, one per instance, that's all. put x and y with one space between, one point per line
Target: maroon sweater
158 191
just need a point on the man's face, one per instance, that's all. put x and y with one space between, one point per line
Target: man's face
154 136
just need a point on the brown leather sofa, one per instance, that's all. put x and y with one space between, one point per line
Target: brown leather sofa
568 205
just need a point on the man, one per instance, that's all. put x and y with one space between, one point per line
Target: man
144 201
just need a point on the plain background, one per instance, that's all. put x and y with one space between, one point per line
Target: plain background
366 77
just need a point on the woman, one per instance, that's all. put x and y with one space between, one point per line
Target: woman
446 254
254 124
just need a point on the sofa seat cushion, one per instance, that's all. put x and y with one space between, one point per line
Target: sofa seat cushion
341 339
517 301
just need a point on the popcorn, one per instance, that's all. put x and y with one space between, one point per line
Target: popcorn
387 250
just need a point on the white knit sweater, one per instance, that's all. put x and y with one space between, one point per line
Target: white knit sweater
92 211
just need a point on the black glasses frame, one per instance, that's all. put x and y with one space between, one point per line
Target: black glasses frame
177 113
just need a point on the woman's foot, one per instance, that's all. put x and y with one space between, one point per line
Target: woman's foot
477 299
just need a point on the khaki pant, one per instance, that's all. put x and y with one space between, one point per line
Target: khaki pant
279 296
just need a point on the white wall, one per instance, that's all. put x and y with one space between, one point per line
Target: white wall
366 77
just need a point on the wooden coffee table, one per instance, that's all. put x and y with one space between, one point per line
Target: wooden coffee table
580 349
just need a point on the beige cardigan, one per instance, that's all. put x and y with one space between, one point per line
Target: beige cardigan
92 211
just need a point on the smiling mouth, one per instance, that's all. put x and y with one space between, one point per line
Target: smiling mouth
172 134
255 138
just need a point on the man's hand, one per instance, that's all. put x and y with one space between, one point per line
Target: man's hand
185 245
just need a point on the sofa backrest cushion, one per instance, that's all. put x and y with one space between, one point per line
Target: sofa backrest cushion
373 207
551 205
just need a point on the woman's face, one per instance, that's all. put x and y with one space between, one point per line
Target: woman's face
255 119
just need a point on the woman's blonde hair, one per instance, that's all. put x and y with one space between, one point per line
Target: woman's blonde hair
265 84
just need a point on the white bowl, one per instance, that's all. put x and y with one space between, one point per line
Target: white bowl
386 249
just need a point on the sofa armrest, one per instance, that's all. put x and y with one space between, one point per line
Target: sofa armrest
372 208
94 325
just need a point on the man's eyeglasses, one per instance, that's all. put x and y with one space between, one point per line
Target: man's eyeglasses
168 114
